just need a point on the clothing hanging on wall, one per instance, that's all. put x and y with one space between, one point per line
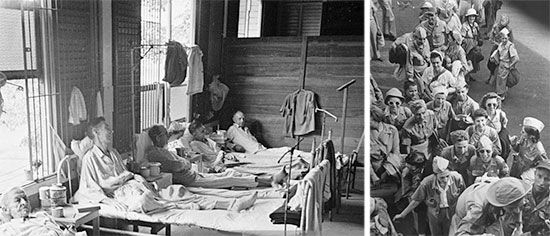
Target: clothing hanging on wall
218 93
299 112
175 68
195 72
99 104
77 107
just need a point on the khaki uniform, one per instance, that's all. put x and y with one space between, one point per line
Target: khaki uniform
439 213
417 135
472 217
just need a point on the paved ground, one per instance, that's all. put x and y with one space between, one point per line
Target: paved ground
531 29
531 96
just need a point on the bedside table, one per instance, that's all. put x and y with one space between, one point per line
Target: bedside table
72 217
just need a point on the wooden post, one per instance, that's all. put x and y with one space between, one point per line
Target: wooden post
303 61
344 107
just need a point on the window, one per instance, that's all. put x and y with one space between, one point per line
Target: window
161 21
250 18
25 120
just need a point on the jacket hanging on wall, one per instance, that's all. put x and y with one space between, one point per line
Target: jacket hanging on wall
299 112
77 107
195 73
175 68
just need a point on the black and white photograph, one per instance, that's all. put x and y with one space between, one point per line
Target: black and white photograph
458 106
196 117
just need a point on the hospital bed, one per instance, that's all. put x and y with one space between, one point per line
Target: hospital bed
315 192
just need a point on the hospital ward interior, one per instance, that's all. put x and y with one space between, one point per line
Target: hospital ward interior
182 117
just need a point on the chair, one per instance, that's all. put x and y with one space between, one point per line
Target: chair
352 166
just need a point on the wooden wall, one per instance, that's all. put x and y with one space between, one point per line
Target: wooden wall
260 73
126 35
78 62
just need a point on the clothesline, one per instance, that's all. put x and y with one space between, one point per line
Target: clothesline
68 92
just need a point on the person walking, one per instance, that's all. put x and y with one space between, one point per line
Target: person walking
471 41
439 192
388 21
506 57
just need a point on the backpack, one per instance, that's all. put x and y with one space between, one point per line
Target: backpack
398 54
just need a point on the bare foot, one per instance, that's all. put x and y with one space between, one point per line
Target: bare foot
244 203
279 178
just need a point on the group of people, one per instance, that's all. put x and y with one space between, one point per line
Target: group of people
105 179
444 48
457 168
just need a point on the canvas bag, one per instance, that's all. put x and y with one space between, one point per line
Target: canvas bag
513 77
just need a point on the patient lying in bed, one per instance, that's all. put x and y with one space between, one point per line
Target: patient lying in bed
241 136
181 170
15 209
104 179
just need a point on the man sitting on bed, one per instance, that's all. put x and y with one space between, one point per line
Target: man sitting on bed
181 170
16 210
104 179
240 135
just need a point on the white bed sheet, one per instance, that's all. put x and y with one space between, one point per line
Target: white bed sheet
254 221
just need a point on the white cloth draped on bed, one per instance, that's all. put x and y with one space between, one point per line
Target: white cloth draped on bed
312 192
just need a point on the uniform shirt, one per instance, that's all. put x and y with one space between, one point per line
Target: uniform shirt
454 23
444 114
429 192
505 53
530 153
496 166
488 131
383 140
436 33
535 211
99 176
445 79
473 218
415 133
498 120
242 136
459 163
417 58
470 35
397 120
464 107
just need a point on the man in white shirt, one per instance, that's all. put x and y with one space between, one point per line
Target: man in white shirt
436 75
241 136
15 208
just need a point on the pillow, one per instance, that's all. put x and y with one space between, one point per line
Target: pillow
81 147
186 139
143 142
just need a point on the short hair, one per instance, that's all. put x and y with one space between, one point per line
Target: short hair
459 136
479 113
93 123
236 112
4 201
415 158
154 132
532 132
194 126
408 84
